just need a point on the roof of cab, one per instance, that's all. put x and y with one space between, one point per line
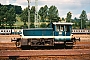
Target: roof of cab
62 23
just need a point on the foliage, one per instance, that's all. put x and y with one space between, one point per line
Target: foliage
50 14
43 12
32 25
11 17
3 9
43 25
83 18
18 9
53 14
32 14
76 22
7 17
68 18
24 16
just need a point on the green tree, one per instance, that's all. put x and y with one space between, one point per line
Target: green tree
89 25
43 25
32 25
76 23
83 18
11 17
32 14
53 14
68 18
43 12
7 16
24 17
18 9
3 11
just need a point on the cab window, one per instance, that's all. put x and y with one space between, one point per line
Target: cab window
60 28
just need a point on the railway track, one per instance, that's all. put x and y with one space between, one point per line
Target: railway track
70 54
78 45
8 46
5 45
79 51
73 57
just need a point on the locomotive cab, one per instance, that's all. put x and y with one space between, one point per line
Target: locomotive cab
62 31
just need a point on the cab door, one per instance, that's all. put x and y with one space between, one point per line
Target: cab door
68 30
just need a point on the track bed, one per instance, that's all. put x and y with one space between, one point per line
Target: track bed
76 54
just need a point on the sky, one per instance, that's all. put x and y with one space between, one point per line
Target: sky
63 6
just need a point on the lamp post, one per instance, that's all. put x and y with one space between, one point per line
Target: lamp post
28 14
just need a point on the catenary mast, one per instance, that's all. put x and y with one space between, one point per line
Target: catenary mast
36 23
28 14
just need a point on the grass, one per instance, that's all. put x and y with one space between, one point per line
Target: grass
19 22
